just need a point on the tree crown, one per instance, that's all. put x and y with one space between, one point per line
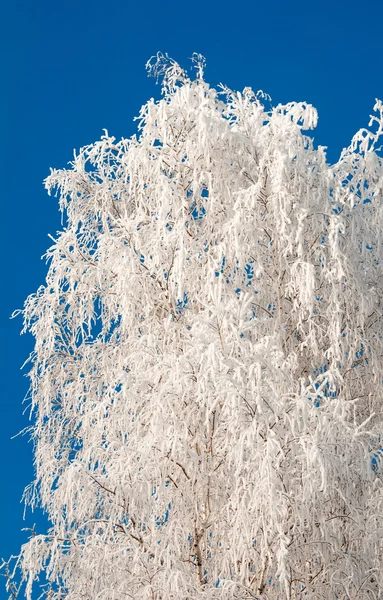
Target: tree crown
207 370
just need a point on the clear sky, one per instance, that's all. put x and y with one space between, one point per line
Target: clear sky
72 68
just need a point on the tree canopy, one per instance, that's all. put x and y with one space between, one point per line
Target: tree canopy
207 374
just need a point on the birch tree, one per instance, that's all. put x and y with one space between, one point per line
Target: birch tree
207 374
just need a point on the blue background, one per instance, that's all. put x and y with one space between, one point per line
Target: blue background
70 69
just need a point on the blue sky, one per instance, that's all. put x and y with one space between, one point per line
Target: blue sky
72 68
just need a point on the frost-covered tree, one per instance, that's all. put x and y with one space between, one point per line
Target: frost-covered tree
207 375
